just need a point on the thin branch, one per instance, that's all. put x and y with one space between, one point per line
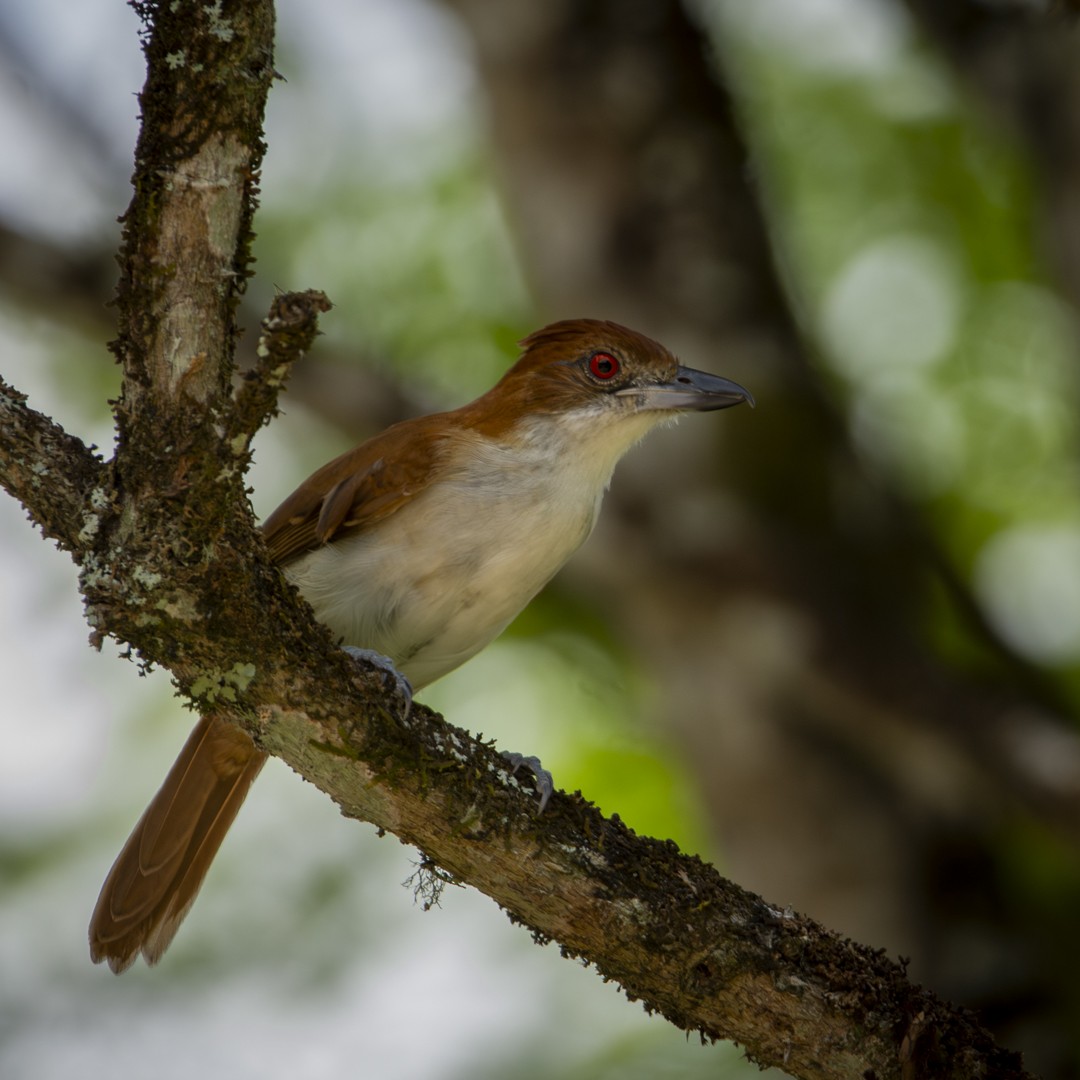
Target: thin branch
41 276
49 471
289 331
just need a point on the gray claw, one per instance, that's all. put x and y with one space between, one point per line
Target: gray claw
545 783
390 674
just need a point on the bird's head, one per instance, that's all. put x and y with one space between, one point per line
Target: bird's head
598 372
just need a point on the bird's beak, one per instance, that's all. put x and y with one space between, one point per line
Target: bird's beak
690 391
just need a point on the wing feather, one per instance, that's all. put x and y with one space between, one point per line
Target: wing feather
358 489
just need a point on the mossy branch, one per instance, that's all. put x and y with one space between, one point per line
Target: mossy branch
288 332
53 474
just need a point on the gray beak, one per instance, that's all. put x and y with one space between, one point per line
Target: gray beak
690 391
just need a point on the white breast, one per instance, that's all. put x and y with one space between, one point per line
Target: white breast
436 581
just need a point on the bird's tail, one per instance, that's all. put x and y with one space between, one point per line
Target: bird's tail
157 875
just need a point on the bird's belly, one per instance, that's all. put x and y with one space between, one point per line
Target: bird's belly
434 583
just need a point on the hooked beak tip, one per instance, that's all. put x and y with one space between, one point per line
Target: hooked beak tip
690 391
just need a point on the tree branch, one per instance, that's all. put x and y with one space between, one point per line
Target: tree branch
705 953
49 471
289 330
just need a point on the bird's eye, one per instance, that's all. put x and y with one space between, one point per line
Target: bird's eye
603 366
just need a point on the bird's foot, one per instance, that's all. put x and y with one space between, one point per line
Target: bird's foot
545 783
391 676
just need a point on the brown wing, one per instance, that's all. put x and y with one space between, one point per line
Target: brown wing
352 492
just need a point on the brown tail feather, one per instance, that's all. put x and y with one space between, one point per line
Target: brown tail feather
157 875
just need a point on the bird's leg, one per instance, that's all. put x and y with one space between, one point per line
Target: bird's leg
543 780
391 675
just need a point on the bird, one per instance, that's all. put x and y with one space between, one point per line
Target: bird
420 545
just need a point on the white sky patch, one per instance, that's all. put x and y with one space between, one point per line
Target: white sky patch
896 304
916 433
842 36
1028 578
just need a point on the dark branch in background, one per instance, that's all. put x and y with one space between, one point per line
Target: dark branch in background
39 275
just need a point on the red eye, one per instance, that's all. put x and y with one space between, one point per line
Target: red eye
603 365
